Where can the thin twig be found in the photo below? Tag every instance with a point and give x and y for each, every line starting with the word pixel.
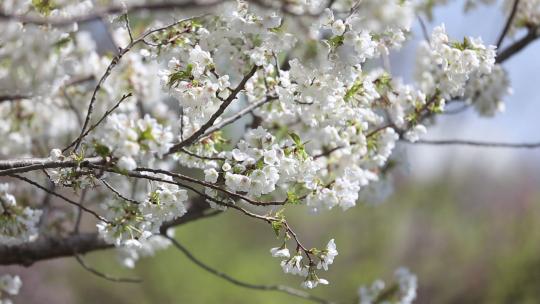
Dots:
pixel 122 197
pixel 202 157
pixel 459 142
pixel 172 182
pixel 104 275
pixel 114 62
pixel 193 137
pixel 210 185
pixel 72 107
pixel 107 113
pixel 79 212
pixel 99 217
pixel 508 23
pixel 228 278
pixel 128 27
pixel 423 27
pixel 240 114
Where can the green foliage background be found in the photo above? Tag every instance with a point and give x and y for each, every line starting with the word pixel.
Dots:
pixel 469 239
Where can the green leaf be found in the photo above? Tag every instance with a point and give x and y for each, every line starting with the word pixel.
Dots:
pixel 336 41
pixel 260 163
pixel 277 226
pixel 102 150
pixel 296 139
pixel 357 87
pixel 146 135
pixel 62 43
pixel 44 7
pixel 176 77
pixel 292 197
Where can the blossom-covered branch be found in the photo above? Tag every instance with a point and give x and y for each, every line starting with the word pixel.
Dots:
pixel 159 133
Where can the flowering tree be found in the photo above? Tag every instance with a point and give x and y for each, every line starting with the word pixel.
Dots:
pixel 133 142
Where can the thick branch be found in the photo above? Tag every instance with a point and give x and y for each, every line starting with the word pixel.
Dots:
pixel 47 248
pixel 51 247
pixel 505 54
pixel 13 166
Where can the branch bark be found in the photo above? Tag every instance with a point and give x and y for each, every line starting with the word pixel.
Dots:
pixel 12 166
pixel 519 45
pixel 50 247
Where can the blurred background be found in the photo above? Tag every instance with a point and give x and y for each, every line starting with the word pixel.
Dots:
pixel 465 220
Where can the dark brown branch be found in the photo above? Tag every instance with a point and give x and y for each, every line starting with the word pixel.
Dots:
pixel 70 201
pixel 107 113
pixel 13 97
pixel 13 166
pixel 117 193
pixel 210 185
pixel 104 275
pixel 51 247
pixel 508 23
pixel 517 46
pixel 47 248
pixel 228 278
pixel 459 142
pixel 191 139
pixel 201 157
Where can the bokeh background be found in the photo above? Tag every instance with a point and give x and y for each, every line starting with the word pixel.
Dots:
pixel 465 220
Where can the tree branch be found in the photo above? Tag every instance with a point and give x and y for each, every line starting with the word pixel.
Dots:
pixel 508 23
pixel 459 142
pixel 72 202
pixel 13 97
pixel 12 166
pixel 228 278
pixel 51 247
pixel 46 248
pixel 114 62
pixel 102 275
pixel 240 114
pixel 517 46
pixel 191 139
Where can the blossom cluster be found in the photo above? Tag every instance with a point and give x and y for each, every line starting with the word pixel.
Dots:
pixel 129 255
pixel 130 140
pixel 18 224
pixel 129 223
pixel 297 265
